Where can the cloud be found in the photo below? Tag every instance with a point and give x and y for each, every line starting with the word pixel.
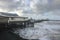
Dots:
pixel 9 5
pixel 36 5
pixel 15 6
pixel 41 6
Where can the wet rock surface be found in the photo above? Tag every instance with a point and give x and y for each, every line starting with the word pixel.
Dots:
pixel 7 35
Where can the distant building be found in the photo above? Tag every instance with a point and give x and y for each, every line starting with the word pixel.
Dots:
pixel 6 17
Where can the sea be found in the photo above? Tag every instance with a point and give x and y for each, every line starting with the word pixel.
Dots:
pixel 46 30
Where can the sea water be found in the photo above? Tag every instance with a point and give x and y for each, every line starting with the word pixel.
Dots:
pixel 47 30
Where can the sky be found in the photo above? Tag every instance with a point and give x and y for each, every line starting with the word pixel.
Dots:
pixel 34 5
pixel 15 6
pixel 12 4
pixel 9 5
pixel 42 6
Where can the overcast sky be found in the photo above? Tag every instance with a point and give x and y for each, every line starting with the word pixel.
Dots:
pixel 12 5
pixel 9 5
pixel 45 5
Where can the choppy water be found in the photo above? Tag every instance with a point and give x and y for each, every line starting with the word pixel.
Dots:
pixel 42 31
